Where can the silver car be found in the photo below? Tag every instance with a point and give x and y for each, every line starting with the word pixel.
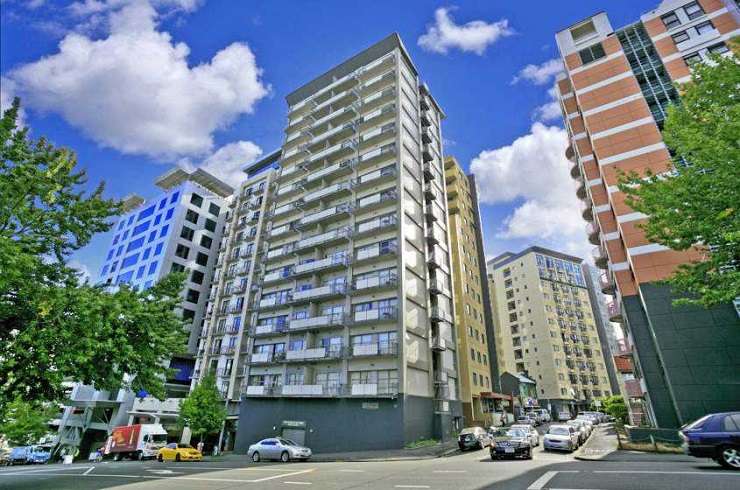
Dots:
pixel 277 448
pixel 534 436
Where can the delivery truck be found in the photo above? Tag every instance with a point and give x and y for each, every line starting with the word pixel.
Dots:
pixel 139 441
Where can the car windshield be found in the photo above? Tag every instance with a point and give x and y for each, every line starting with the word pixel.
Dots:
pixel 185 446
pixel 158 438
pixel 497 432
pixel 469 430
pixel 697 424
pixel 558 431
pixel 516 433
pixel 525 428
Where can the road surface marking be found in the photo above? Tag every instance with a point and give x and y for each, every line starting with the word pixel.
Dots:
pixel 164 472
pixel 285 470
pixel 282 476
pixel 713 473
pixel 411 486
pixel 450 471
pixel 44 471
pixel 298 483
pixel 89 470
pixel 540 482
pixel 352 471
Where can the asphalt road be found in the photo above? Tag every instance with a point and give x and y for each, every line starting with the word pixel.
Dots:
pixel 469 470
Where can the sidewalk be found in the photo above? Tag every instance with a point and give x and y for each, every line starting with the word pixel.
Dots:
pixel 429 452
pixel 603 446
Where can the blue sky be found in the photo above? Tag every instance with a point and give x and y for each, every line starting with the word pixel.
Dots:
pixel 136 86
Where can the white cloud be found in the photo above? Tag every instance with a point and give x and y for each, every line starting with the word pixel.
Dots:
pixel 34 4
pixel 226 163
pixel 7 93
pixel 82 270
pixel 134 90
pixel 540 74
pixel 475 36
pixel 549 111
pixel 533 169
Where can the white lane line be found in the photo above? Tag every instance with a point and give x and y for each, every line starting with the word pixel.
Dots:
pixel 352 471
pixel 540 482
pixel 713 473
pixel 44 471
pixel 283 475
pixel 411 486
pixel 284 470
pixel 450 471
pixel 89 470
pixel 298 483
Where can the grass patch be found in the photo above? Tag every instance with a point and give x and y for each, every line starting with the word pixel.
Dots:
pixel 421 443
pixel 658 447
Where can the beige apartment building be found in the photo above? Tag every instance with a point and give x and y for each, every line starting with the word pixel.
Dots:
pixel 472 305
pixel 545 327
pixel 614 94
pixel 337 266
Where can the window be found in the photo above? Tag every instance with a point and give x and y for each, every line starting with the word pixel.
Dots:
pixel 182 251
pixel 197 277
pixel 718 48
pixel 135 244
pixel 177 267
pixel 157 219
pixel 140 272
pixel 152 268
pixel 472 354
pixel 140 228
pixel 175 197
pixel 119 251
pixel 169 214
pixel 129 261
pixel 210 225
pixel 196 200
pixel 146 213
pixel 591 53
pixel 704 27
pixel 206 241
pixel 680 37
pixel 187 233
pixel 164 230
pixel 582 31
pixel 146 253
pixel 475 379
pixel 693 10
pixel 192 296
pixel 188 315
pixel 670 20
pixel 152 236
pixel 201 259
pixel 214 209
pixel 191 216
pixel 158 248
pixel 692 59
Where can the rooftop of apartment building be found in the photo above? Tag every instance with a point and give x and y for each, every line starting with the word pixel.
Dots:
pixel 508 257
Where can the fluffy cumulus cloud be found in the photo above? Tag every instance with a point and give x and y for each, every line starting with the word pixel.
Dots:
pixel 132 89
pixel 226 163
pixel 550 110
pixel 540 74
pixel 533 172
pixel 7 93
pixel 475 36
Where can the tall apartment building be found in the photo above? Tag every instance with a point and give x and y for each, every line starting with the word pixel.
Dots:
pixel 473 321
pixel 546 327
pixel 614 93
pixel 350 320
pixel 223 348
pixel 179 230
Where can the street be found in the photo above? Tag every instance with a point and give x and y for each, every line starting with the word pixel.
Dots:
pixel 461 471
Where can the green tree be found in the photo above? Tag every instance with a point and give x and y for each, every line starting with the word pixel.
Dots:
pixel 614 405
pixel 24 423
pixel 203 410
pixel 52 328
pixel 697 204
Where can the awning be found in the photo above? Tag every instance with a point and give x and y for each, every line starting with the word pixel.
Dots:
pixel 495 396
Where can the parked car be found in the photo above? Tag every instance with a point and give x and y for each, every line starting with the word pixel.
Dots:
pixel 19 455
pixel 593 415
pixel 534 436
pixel 178 452
pixel 473 438
pixel 4 456
pixel 38 455
pixel 526 420
pixel 591 419
pixel 512 443
pixel 277 448
pixel 581 430
pixel 546 417
pixel 536 416
pixel 561 437
pixel 715 436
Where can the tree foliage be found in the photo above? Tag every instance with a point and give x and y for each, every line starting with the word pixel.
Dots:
pixel 203 410
pixel 614 405
pixel 24 423
pixel 52 328
pixel 697 204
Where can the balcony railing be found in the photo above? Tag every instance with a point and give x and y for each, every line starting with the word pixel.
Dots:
pixel 326 191
pixel 266 357
pixel 374 349
pixel 593 232
pixel 376 252
pixel 317 265
pixel 320 292
pixel 377 389
pixel 317 322
pixel 375 176
pixel 606 281
pixel 331 169
pixel 376 200
pixel 285 209
pixel 323 215
pixel 440 315
pixel 280 251
pixel 274 302
pixel 615 311
pixel 382 388
pixel 375 283
pixel 314 354
pixel 324 238
pixel 377 224
pixel 277 275
pixel 386 313
pixel 273 329
pixel 281 230
pixel 289 189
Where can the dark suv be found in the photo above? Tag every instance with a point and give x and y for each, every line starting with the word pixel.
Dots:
pixel 715 436
pixel 473 438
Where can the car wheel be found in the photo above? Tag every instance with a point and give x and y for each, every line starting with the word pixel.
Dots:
pixel 160 458
pixel 284 457
pixel 730 457
pixel 256 457
pixel 139 455
pixel 177 457
pixel 529 453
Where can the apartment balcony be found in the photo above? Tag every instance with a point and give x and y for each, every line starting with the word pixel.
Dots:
pixel 322 265
pixel 376 253
pixel 379 115
pixel 435 259
pixel 339 99
pixel 377 65
pixel 374 83
pixel 437 314
pixel 285 209
pixel 378 133
pixel 375 201
pixel 437 286
pixel 439 344
pixel 262 358
pixel 269 330
pixel 319 293
pixel 316 354
pixel 328 191
pixel 330 171
pixel 262 390
pixel 324 239
pixel 426 135
pixel 606 281
pixel 315 390
pixel 431 192
pixel 151 404
pixel 575 170
pixel 581 188
pixel 326 215
pixel 280 252
pixel 375 177
pixel 375 349
pixel 424 103
pixel 237 308
pixel 594 233
pixel 385 389
pixel 429 172
pixel 375 225
pixel 615 311
pixel 570 154
pixel 276 276
pixel 340 149
pixel 434 214
pixel 384 314
pixel 318 322
pixel 425 120
pixel 587 210
pixel 290 189
pixel 378 154
pixel 634 388
pixel 288 172
pixel 274 302
pixel 295 154
pixel 282 230
pixel 601 258
pixel 336 118
pixel 435 237
pixel 371 284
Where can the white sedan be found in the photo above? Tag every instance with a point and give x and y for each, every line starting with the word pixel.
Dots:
pixel 277 448
pixel 534 436
pixel 562 437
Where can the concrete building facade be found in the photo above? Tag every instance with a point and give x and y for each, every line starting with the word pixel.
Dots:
pixel 614 94
pixel 350 312
pixel 545 327
pixel 478 371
